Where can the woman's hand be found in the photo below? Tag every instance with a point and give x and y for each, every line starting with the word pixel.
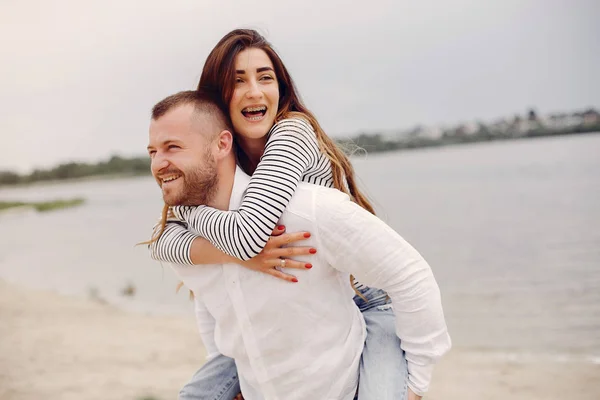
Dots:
pixel 274 256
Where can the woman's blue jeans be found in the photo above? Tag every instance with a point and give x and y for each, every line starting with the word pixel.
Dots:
pixel 383 369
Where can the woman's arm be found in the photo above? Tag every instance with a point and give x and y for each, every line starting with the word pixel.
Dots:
pixel 175 246
pixel 203 252
pixel 291 150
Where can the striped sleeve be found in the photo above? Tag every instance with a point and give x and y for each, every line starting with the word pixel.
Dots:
pixel 291 149
pixel 174 245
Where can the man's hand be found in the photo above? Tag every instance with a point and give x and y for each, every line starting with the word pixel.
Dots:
pixel 413 396
pixel 274 256
pixel 238 397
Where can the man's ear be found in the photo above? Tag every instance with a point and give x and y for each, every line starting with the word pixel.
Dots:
pixel 224 143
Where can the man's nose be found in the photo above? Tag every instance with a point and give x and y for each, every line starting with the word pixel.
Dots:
pixel 158 163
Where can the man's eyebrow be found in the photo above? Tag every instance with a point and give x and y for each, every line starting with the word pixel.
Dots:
pixel 164 143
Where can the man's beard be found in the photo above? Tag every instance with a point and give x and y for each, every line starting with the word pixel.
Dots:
pixel 199 186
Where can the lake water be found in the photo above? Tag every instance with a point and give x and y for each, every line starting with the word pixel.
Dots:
pixel 511 230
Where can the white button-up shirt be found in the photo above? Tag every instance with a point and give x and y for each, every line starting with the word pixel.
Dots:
pixel 304 340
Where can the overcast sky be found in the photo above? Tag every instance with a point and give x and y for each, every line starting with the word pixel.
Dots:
pixel 79 77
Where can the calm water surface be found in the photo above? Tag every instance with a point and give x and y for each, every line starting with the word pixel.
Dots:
pixel 511 230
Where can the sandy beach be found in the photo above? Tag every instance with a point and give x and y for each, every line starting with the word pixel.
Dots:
pixel 57 347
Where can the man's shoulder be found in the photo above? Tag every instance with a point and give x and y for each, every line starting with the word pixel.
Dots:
pixel 311 199
pixel 326 194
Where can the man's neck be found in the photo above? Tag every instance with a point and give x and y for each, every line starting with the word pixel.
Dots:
pixel 222 195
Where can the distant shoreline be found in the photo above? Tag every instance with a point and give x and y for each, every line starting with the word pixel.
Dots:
pixel 41 206
pixel 377 144
pixel 140 166
pixel 89 178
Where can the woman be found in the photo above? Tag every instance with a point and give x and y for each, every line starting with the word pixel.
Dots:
pixel 280 143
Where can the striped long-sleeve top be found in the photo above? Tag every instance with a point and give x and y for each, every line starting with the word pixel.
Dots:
pixel 291 155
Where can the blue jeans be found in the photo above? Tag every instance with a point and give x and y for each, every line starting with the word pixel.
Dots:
pixel 383 370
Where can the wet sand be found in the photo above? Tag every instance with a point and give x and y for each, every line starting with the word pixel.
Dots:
pixel 57 347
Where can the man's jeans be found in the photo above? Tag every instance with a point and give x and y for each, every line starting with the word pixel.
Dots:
pixel 383 370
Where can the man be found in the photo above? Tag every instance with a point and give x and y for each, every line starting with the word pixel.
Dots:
pixel 301 341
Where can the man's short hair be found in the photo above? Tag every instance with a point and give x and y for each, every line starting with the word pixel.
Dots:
pixel 203 103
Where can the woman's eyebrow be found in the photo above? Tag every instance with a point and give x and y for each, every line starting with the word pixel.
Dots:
pixel 261 69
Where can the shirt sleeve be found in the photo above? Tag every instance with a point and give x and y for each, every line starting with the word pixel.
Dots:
pixel 359 243
pixel 174 245
pixel 206 327
pixel 291 149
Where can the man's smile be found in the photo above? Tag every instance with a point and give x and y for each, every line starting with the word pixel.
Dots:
pixel 169 178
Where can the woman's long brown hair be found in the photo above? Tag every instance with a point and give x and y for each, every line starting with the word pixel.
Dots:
pixel 218 78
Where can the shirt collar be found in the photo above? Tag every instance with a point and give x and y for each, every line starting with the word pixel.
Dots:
pixel 240 183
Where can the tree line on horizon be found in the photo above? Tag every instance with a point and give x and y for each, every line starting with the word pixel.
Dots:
pixel 518 127
pixel 528 126
pixel 116 165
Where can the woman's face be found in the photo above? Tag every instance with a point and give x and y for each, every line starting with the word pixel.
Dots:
pixel 255 100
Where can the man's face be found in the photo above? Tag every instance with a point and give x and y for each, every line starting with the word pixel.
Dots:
pixel 181 156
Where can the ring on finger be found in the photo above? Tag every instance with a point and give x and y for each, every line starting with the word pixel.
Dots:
pixel 282 263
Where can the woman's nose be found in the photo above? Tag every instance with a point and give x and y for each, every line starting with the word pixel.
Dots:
pixel 253 91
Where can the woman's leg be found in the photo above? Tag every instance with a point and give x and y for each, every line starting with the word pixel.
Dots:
pixel 216 380
pixel 383 369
